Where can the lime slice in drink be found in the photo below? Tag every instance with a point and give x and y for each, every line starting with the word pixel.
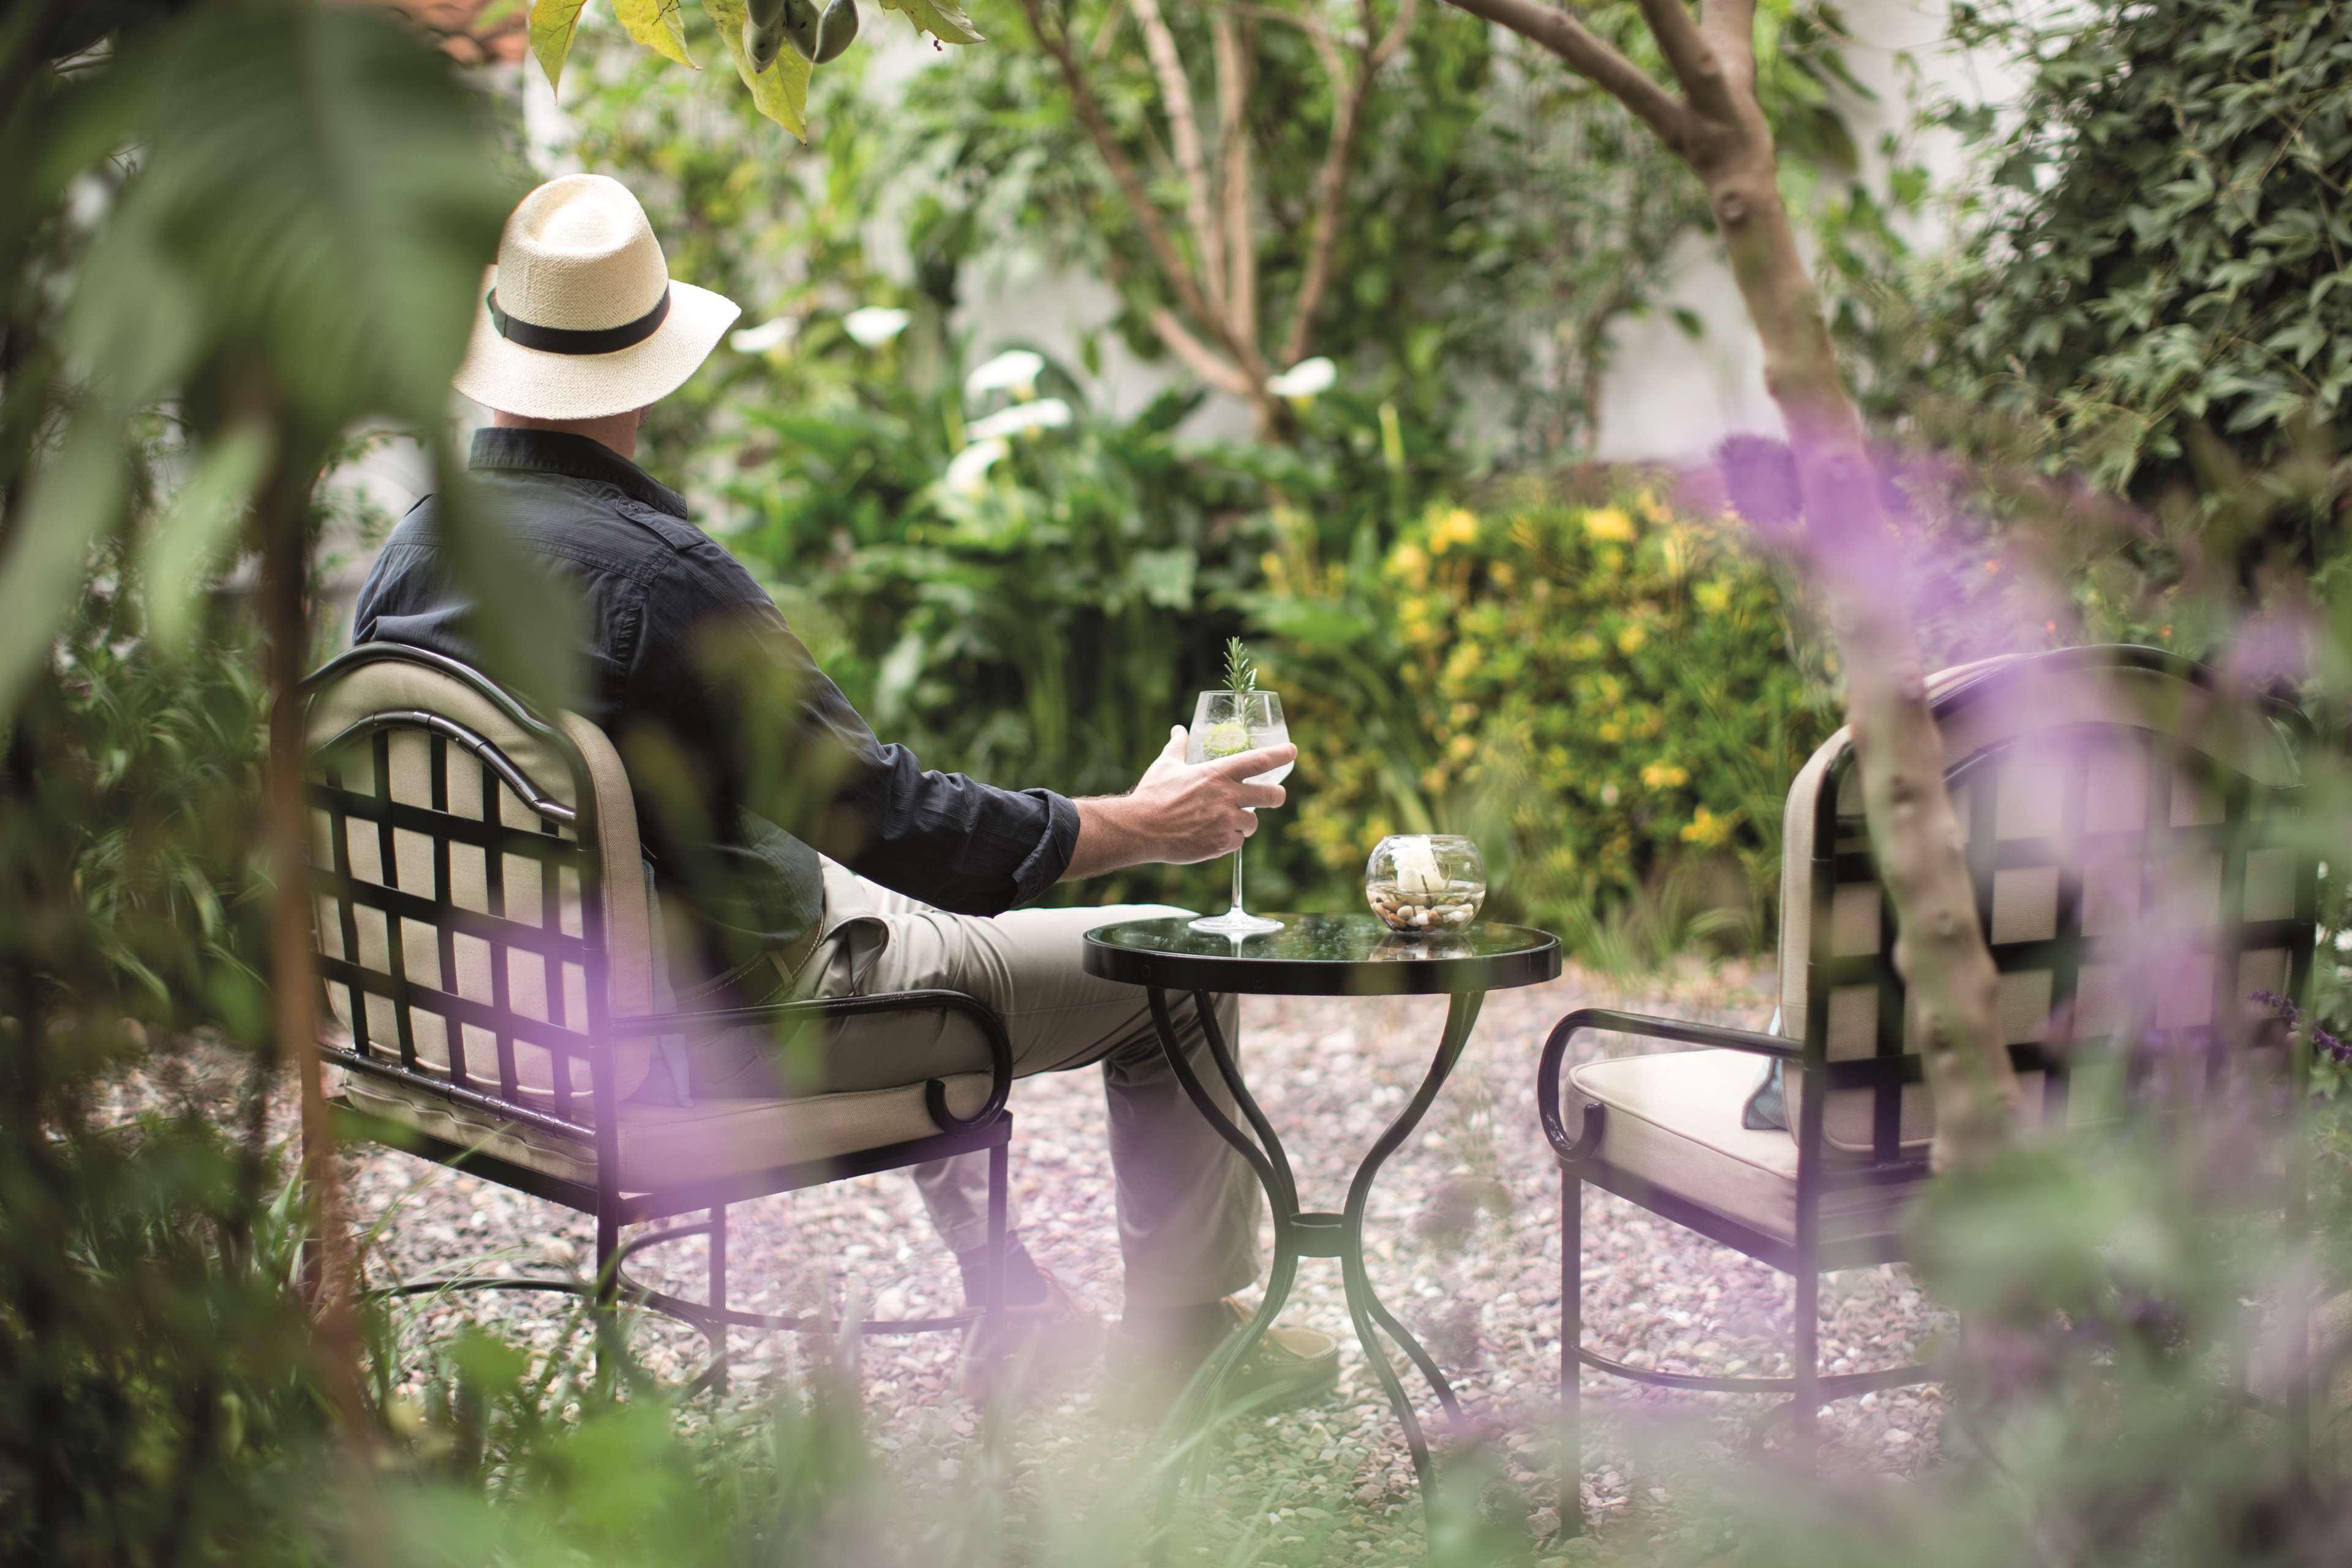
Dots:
pixel 1230 738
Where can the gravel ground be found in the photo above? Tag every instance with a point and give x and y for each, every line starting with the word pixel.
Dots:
pixel 1330 1479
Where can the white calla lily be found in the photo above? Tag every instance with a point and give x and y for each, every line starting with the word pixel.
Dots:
pixel 1307 378
pixel 873 325
pixel 1045 413
pixel 1014 371
pixel 767 335
pixel 968 469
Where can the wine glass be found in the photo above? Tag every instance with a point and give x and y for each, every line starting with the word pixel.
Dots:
pixel 1225 723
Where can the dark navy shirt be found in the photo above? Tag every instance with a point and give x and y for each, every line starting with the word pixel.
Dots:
pixel 744 759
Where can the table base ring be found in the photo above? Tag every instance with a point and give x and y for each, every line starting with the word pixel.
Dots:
pixel 1315 1234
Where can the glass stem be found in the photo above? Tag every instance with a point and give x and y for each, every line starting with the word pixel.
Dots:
pixel 1237 876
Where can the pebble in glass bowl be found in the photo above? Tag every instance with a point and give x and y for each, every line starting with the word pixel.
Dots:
pixel 1421 883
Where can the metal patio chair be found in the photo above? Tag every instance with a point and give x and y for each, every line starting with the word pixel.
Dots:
pixel 525 1000
pixel 2115 806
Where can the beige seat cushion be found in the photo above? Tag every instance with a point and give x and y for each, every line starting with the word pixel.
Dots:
pixel 666 1146
pixel 1673 1122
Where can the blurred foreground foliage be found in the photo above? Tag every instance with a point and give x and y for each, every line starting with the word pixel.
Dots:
pixel 228 236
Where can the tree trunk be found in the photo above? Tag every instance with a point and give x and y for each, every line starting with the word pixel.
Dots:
pixel 1719 129
pixel 330 1275
pixel 1953 988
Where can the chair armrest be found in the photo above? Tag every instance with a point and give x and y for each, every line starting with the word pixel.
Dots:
pixel 1574 1150
pixel 935 1093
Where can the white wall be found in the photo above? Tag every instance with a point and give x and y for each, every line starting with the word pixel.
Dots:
pixel 1670 397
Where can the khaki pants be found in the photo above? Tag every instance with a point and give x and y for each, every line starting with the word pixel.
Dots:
pixel 1187 1206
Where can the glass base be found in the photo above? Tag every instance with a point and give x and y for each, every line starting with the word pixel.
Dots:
pixel 1238 922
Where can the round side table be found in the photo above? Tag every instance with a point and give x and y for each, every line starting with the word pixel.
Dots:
pixel 1321 956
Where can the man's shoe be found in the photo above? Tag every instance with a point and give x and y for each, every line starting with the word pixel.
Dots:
pixel 1288 1366
pixel 1025 1346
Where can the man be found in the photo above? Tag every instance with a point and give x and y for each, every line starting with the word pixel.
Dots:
pixel 806 858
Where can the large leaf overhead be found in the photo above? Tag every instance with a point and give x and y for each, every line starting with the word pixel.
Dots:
pixel 779 92
pixel 943 19
pixel 657 24
pixel 319 183
pixel 552 23
pixel 306 232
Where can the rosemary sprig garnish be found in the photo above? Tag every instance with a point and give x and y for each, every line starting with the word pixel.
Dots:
pixel 1241 671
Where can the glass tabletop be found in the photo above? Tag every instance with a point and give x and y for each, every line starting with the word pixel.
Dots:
pixel 1321 956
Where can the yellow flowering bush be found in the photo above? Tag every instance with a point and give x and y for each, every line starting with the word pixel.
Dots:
pixel 1598 692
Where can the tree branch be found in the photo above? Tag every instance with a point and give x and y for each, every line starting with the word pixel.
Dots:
pixel 1235 76
pixel 1163 246
pixel 1729 28
pixel 1593 58
pixel 1394 38
pixel 1695 63
pixel 1108 33
pixel 1308 22
pixel 1185 138
pixel 1349 96
pixel 1203 359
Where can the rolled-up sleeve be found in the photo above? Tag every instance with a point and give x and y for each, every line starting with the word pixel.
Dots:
pixel 773 735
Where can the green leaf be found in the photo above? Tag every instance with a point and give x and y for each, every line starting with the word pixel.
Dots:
pixel 658 25
pixel 943 19
pixel 75 499
pixel 307 226
pixel 1165 576
pixel 317 200
pixel 779 92
pixel 552 22
pixel 181 548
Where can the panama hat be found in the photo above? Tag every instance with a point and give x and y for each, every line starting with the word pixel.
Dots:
pixel 580 318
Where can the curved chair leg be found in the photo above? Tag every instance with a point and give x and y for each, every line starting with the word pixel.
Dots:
pixel 599 1293
pixel 999 1181
pixel 1571 1345
pixel 717 1296
pixel 1806 1405
pixel 1807 1387
pixel 611 1285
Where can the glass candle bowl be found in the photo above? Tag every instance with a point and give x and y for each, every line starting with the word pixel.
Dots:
pixel 1422 884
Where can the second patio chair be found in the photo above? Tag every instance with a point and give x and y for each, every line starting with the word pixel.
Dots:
pixel 2116 808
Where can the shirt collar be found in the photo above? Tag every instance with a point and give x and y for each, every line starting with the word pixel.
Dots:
pixel 522 450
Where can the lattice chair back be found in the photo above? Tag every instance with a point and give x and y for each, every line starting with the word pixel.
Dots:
pixel 2122 821
pixel 482 903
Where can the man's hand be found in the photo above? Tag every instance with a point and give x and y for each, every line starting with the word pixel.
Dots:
pixel 1178 813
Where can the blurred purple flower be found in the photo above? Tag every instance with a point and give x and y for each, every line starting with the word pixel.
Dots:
pixel 2272 651
pixel 2321 1039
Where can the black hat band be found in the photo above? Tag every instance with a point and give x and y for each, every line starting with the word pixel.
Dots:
pixel 574 339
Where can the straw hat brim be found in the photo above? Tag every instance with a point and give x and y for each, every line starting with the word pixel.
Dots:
pixel 538 384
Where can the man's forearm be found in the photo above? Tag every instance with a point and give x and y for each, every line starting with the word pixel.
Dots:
pixel 1177 813
pixel 1111 837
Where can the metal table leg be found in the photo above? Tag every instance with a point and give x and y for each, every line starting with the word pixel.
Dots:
pixel 1310 1234
pixel 1364 1304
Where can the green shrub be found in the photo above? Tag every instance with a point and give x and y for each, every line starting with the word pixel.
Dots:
pixel 2151 271
pixel 1602 693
